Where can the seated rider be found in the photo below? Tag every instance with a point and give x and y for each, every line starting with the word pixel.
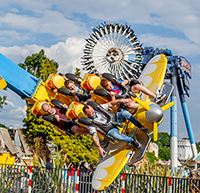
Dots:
pixel 78 97
pixel 114 132
pixel 136 87
pixel 62 121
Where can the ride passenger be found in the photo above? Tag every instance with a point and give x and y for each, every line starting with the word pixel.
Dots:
pixel 136 87
pixel 62 121
pixel 78 97
pixel 114 132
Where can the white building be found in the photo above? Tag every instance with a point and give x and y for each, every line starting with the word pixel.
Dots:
pixel 184 149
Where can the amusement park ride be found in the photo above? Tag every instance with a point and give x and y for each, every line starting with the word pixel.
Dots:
pixel 113 52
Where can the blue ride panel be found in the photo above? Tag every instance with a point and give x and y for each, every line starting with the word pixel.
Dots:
pixel 18 80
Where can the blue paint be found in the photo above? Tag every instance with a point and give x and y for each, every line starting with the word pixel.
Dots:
pixel 185 112
pixel 18 80
pixel 188 123
pixel 173 115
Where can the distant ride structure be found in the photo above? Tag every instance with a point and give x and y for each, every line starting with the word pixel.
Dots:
pixel 113 48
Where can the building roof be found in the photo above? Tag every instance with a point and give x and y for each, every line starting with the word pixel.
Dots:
pixel 7 144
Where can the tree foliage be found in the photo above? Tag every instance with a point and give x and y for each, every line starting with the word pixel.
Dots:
pixel 163 143
pixel 2 125
pixel 2 102
pixel 198 146
pixel 34 64
pixel 48 67
pixel 151 157
pixel 77 149
pixel 78 73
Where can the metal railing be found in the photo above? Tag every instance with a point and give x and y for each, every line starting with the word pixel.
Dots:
pixel 22 179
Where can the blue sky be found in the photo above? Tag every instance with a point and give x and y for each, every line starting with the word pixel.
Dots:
pixel 60 27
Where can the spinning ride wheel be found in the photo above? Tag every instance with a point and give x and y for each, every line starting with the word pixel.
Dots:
pixel 113 48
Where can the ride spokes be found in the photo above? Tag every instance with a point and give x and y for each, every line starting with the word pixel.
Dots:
pixel 113 48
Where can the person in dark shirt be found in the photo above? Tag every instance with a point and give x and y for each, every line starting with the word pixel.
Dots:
pixel 49 164
pixel 62 121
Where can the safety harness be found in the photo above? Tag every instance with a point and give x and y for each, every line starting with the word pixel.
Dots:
pixel 105 127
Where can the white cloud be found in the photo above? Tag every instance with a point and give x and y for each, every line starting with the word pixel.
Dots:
pixel 68 54
pixel 178 46
pixel 57 18
pixel 12 9
pixel 15 110
pixel 36 6
pixel 51 22
pixel 18 54
pixel 9 36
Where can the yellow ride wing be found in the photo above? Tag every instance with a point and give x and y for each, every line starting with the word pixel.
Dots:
pixel 153 74
pixel 109 168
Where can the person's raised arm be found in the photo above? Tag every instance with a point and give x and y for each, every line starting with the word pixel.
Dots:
pixel 75 96
pixel 65 106
pixel 96 141
pixel 115 102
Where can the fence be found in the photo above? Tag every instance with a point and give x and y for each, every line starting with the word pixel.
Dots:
pixel 22 179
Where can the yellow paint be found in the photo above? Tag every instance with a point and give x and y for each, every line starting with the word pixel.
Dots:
pixel 55 81
pixel 158 74
pixel 167 106
pixel 141 116
pixel 7 158
pixel 153 78
pixel 155 131
pixel 143 104
pixel 75 110
pixel 114 170
pixel 43 92
pixel 3 83
pixel 91 82
pixel 37 108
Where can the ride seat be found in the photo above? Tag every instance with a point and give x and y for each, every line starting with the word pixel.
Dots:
pixel 75 110
pixel 55 81
pixel 91 82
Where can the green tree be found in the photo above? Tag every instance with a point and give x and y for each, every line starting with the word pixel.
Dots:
pixel 78 73
pixel 2 125
pixel 163 143
pixel 198 146
pixel 151 157
pixel 77 149
pixel 34 63
pixel 48 67
pixel 164 153
pixel 2 102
